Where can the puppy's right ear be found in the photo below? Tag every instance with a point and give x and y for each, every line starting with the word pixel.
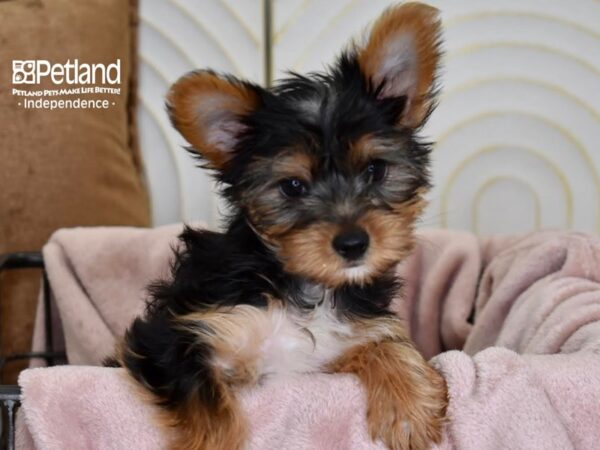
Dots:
pixel 209 110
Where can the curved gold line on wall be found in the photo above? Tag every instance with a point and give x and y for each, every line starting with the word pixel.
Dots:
pixel 163 76
pixel 461 20
pixel 317 38
pixel 291 19
pixel 504 112
pixel 185 12
pixel 168 39
pixel 173 157
pixel 494 180
pixel 163 132
pixel 233 13
pixel 551 87
pixel 445 190
pixel 463 87
pixel 516 44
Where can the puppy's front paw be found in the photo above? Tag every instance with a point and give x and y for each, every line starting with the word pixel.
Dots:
pixel 408 415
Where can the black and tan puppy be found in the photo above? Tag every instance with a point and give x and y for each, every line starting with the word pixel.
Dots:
pixel 325 175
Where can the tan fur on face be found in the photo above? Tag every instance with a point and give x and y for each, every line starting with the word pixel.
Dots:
pixel 291 163
pixel 420 25
pixel 364 150
pixel 309 251
pixel 391 234
pixel 406 398
pixel 195 100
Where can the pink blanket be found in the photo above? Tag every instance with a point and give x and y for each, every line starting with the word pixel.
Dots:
pixel 528 375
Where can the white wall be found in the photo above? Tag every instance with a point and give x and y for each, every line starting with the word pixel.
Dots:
pixel 177 36
pixel 517 129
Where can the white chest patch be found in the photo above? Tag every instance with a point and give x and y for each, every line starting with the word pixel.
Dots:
pixel 283 341
pixel 300 342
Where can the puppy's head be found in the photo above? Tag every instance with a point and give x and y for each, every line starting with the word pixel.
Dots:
pixel 326 168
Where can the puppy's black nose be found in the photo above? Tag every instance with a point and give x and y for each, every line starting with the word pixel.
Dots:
pixel 351 244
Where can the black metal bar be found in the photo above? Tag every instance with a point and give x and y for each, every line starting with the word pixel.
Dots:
pixel 34 260
pixel 10 410
pixel 47 318
pixel 10 392
pixel 11 397
pixel 33 355
pixel 22 260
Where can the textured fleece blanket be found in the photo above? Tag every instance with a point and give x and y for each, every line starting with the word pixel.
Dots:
pixel 513 324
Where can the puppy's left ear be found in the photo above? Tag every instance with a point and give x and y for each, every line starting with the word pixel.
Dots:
pixel 401 58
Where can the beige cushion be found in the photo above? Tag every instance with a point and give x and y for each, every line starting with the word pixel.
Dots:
pixel 66 167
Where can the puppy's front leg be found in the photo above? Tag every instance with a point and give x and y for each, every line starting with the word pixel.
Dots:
pixel 406 398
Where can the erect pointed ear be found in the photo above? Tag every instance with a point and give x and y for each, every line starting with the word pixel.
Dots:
pixel 209 110
pixel 401 57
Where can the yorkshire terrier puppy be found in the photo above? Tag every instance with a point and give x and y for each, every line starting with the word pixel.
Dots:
pixel 325 177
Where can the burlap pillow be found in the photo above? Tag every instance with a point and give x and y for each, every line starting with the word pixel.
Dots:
pixel 62 167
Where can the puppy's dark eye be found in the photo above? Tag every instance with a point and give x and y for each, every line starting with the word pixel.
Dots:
pixel 376 170
pixel 293 187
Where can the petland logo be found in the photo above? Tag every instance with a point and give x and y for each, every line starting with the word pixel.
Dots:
pixel 39 84
pixel 34 71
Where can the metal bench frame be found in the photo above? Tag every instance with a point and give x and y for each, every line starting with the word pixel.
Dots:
pixel 10 395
